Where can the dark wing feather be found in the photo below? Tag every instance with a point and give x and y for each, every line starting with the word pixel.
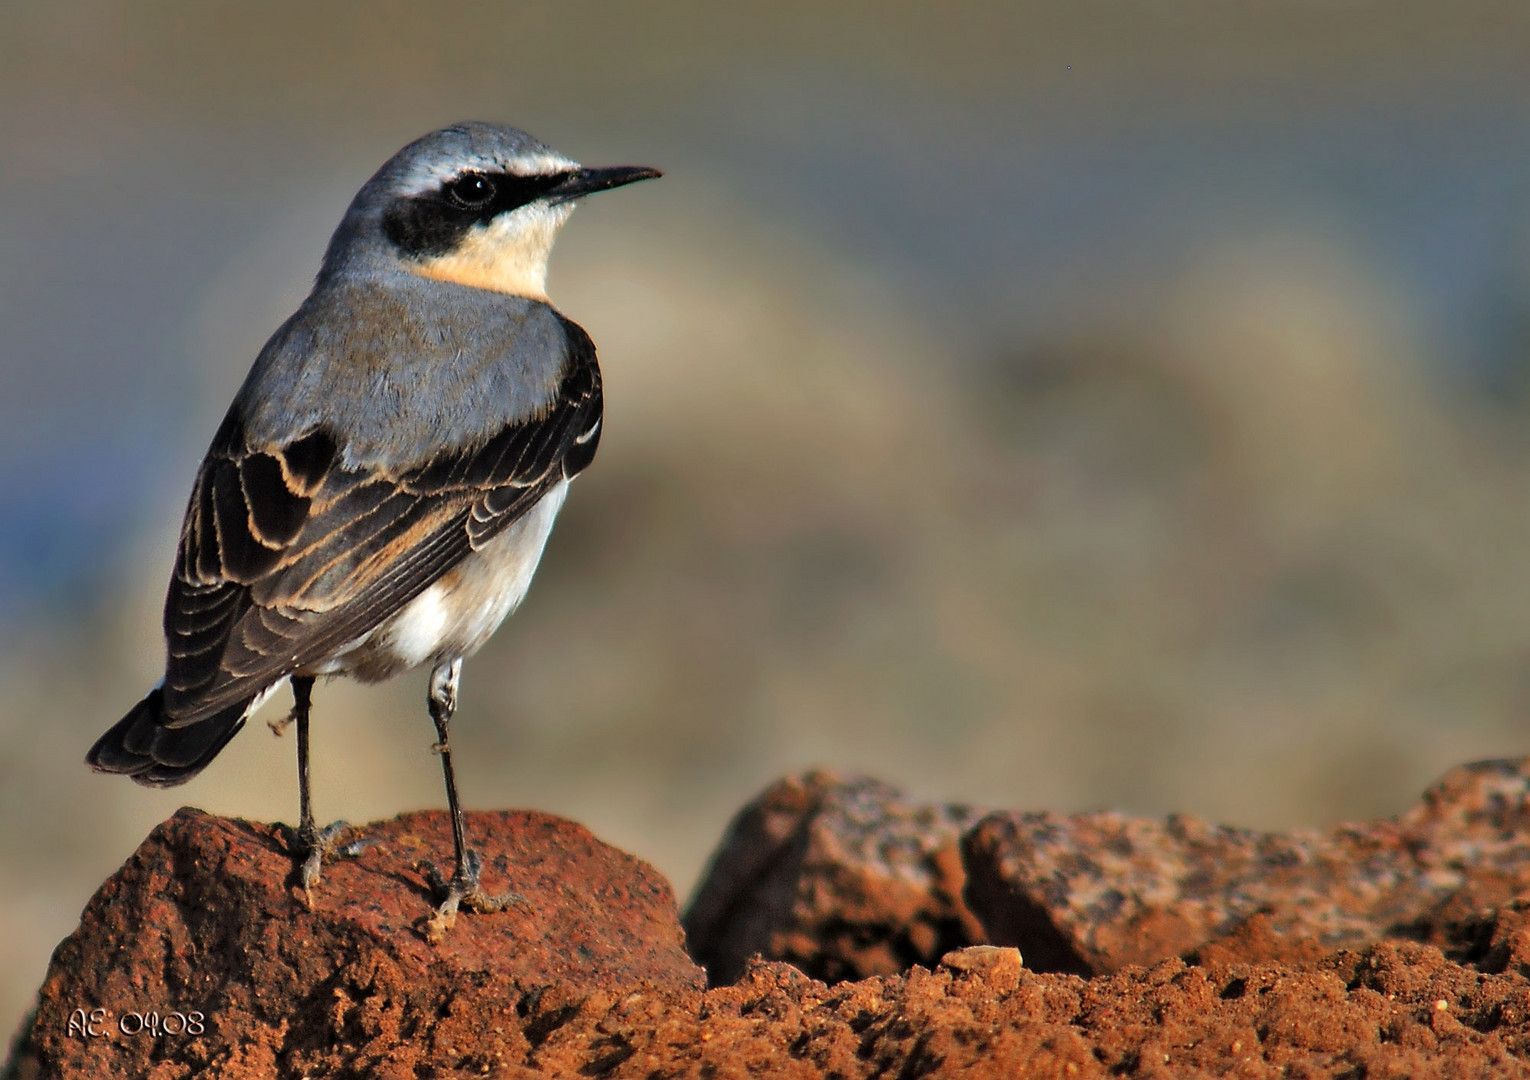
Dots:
pixel 286 555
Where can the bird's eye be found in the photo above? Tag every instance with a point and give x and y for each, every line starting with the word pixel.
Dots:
pixel 473 191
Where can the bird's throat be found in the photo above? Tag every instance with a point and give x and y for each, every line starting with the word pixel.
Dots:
pixel 500 258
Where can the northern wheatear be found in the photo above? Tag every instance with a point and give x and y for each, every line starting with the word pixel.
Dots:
pixel 380 491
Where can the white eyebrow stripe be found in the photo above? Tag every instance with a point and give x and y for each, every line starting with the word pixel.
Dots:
pixel 430 175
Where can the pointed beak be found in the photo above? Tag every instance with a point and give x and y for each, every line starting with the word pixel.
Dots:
pixel 588 181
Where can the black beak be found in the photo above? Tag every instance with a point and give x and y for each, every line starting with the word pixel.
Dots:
pixel 583 182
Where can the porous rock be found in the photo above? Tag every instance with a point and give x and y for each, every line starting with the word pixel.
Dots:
pixel 1391 1010
pixel 588 976
pixel 204 929
pixel 1092 893
pixel 841 877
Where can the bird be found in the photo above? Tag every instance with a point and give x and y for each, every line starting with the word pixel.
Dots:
pixel 380 491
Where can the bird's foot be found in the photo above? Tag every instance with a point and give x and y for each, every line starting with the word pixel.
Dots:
pixel 280 725
pixel 314 845
pixel 461 890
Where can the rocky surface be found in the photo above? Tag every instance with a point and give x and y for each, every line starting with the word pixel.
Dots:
pixel 204 927
pixel 844 878
pixel 1401 948
pixel 1093 893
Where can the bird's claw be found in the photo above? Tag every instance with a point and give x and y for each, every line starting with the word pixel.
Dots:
pixel 461 890
pixel 314 845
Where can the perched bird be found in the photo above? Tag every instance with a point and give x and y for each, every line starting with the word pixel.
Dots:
pixel 380 492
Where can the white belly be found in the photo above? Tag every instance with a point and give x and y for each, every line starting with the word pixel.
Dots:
pixel 455 615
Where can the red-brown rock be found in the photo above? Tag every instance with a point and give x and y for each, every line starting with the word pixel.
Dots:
pixel 1092 893
pixel 843 878
pixel 589 978
pixel 1386 1011
pixel 203 927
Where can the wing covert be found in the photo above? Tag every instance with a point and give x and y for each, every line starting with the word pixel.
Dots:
pixel 286 554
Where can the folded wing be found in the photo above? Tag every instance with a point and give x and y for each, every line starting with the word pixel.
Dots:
pixel 286 554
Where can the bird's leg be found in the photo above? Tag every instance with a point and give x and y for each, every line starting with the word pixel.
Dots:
pixel 462 889
pixel 308 840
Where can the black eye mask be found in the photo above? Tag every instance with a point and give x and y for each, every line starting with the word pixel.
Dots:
pixel 435 223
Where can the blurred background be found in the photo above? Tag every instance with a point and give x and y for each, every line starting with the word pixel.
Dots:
pixel 1064 405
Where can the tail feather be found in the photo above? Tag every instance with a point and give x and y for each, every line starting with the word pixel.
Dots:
pixel 142 746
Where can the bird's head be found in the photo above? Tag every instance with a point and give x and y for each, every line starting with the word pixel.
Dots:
pixel 474 204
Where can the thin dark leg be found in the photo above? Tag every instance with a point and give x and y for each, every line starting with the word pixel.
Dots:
pixel 443 704
pixel 463 888
pixel 302 702
pixel 309 841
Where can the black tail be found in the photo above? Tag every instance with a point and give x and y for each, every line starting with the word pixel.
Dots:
pixel 140 745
